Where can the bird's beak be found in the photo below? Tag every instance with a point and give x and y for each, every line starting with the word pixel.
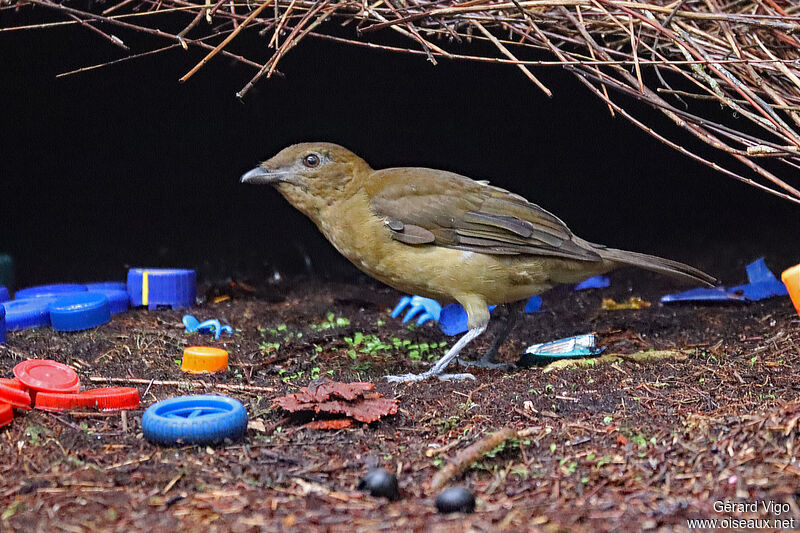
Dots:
pixel 262 176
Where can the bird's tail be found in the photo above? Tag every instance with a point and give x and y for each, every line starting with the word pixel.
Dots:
pixel 657 264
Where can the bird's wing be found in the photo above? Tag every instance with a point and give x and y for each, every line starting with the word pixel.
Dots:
pixel 423 206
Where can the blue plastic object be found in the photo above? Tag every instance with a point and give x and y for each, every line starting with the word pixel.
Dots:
pixel 118 300
pixel 23 314
pixel 211 326
pixel 49 291
pixel 162 287
pixel 107 285
pixel 4 296
pixel 595 282
pixel 453 318
pixel 2 325
pixel 79 311
pixel 194 420
pixel 762 284
pixel 534 305
pixel 418 304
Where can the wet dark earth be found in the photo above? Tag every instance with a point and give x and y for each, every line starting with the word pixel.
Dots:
pixel 630 445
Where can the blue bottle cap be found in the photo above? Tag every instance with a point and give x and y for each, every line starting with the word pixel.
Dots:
pixel 118 300
pixel 2 325
pixel 106 285
pixel 4 296
pixel 23 314
pixel 162 287
pixel 49 291
pixel 79 311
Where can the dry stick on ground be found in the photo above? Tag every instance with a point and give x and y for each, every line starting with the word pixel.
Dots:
pixel 178 383
pixel 469 455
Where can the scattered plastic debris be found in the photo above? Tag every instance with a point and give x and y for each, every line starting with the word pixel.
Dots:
pixel 162 287
pixel 791 278
pixel 634 302
pixel 380 484
pixel 455 500
pixel 212 326
pixel 355 400
pixel 578 346
pixel 49 291
pixel 200 359
pixel 44 375
pixel 417 304
pixel 762 284
pixel 595 282
pixel 105 399
pixel 453 318
pixel 200 419
pixel 79 311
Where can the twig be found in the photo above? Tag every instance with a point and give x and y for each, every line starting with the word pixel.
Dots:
pixel 469 455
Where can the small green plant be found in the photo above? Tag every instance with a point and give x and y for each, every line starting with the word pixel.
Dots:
pixel 331 321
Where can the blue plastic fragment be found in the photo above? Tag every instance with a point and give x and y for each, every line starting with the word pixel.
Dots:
pixel 578 346
pixel 194 420
pixel 452 318
pixel 211 326
pixel 4 296
pixel 534 305
pixel 23 314
pixel 49 291
pixel 2 325
pixel 595 282
pixel 762 284
pixel 427 308
pixel 716 294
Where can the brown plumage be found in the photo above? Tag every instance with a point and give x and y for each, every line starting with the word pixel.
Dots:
pixel 441 235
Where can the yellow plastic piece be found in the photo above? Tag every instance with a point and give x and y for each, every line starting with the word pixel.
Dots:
pixel 634 302
pixel 791 278
pixel 199 359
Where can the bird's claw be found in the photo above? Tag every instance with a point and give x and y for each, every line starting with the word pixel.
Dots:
pixel 425 375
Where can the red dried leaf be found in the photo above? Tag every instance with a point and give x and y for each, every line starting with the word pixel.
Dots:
pixel 351 399
pixel 338 423
pixel 323 389
pixel 362 410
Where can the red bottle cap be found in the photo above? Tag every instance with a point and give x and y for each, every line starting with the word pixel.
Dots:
pixel 14 383
pixel 47 376
pixel 15 397
pixel 108 399
pixel 6 414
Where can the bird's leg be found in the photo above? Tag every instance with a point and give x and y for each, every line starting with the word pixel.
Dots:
pixel 441 364
pixel 513 311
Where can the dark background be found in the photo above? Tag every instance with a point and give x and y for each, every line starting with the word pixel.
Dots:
pixel 124 166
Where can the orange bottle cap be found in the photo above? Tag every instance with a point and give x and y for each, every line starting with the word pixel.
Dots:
pixel 199 359
pixel 791 278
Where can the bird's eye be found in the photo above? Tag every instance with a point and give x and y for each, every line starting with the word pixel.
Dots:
pixel 311 160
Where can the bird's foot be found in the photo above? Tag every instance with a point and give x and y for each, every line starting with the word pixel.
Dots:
pixel 425 375
pixel 483 363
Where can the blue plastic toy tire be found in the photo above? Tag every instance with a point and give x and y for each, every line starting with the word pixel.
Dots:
pixel 200 419
pixel 49 291
pixel 162 287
